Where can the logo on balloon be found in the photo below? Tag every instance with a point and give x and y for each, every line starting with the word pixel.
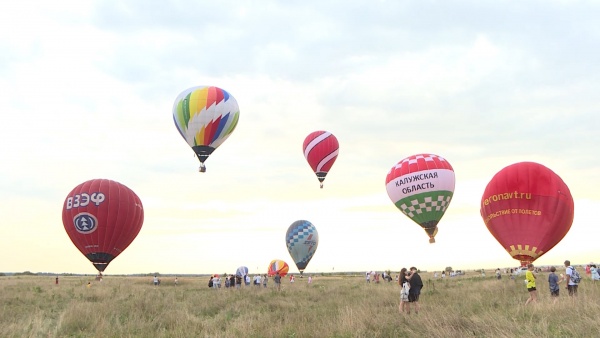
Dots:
pixel 85 223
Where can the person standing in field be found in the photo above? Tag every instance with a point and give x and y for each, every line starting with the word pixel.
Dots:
pixel 155 281
pixel 277 280
pixel 530 278
pixel 595 273
pixel 571 284
pixel 553 283
pixel 309 280
pixel 416 284
pixel 264 280
pixel 404 290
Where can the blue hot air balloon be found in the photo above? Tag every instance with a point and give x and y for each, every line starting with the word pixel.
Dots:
pixel 302 240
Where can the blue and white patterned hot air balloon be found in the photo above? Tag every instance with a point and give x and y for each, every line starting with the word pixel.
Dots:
pixel 302 240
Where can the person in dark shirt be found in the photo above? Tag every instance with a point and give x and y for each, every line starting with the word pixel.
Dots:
pixel 277 280
pixel 416 284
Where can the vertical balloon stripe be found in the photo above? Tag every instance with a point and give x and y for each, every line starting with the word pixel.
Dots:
pixel 233 123
pixel 226 95
pixel 208 132
pixel 212 97
pixel 219 128
pixel 180 118
pixel 198 102
pixel 185 110
pixel 218 95
pixel 199 138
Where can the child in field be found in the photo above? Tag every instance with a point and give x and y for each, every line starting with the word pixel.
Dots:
pixel 530 278
pixel 553 282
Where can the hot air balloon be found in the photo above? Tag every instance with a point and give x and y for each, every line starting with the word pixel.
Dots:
pixel 422 186
pixel 205 117
pixel 241 271
pixel 102 217
pixel 528 209
pixel 321 150
pixel 277 266
pixel 302 240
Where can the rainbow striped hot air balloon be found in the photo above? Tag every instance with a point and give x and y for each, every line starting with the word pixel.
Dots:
pixel 205 117
pixel 321 149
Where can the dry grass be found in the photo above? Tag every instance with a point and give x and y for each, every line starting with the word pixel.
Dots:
pixel 330 307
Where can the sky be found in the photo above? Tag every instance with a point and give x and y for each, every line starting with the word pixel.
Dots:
pixel 87 89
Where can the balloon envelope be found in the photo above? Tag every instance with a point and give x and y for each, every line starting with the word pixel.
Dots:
pixel 422 186
pixel 321 149
pixel 302 240
pixel 205 117
pixel 241 271
pixel 528 209
pixel 279 267
pixel 102 217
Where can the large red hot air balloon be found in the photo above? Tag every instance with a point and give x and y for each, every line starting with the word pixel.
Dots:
pixel 321 149
pixel 528 209
pixel 102 217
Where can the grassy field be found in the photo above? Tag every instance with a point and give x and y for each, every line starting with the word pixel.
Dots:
pixel 333 306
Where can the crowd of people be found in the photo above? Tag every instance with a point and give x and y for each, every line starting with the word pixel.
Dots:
pixel 411 284
pixel 236 281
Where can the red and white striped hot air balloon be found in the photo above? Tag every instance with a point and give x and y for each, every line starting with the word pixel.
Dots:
pixel 321 150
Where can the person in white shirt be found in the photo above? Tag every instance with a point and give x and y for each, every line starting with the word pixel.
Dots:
pixel 571 285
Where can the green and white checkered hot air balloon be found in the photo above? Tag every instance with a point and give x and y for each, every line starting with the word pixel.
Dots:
pixel 421 186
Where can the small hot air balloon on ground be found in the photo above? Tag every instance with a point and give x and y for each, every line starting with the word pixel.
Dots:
pixel 278 267
pixel 302 240
pixel 321 149
pixel 422 186
pixel 205 117
pixel 241 271
pixel 528 209
pixel 102 217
